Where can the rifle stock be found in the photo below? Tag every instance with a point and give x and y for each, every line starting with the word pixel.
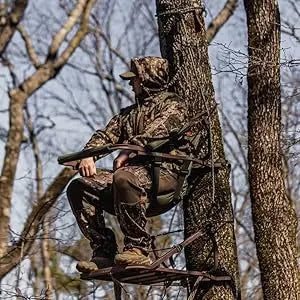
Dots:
pixel 72 158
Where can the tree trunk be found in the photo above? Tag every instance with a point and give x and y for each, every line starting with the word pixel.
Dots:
pixel 12 150
pixel 46 261
pixel 34 270
pixel 273 215
pixel 208 207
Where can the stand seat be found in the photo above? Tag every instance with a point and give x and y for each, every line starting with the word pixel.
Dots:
pixel 145 275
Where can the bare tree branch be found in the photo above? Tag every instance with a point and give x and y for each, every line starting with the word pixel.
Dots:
pixel 29 47
pixel 63 32
pixel 99 33
pixel 290 30
pixel 74 43
pixel 75 250
pixel 216 24
pixel 11 22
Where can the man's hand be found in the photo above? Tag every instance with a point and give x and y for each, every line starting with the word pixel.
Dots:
pixel 121 160
pixel 87 167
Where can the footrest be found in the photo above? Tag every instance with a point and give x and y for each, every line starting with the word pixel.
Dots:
pixel 144 275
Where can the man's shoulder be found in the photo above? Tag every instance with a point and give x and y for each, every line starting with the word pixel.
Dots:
pixel 127 109
pixel 172 98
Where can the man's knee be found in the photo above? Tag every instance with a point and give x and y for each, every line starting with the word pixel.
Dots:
pixel 127 186
pixel 124 179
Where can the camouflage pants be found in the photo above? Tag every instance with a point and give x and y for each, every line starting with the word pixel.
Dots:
pixel 124 193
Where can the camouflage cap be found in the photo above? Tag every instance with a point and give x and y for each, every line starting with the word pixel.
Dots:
pixel 153 71
pixel 127 75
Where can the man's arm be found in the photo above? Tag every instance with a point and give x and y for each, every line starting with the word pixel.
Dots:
pixel 110 135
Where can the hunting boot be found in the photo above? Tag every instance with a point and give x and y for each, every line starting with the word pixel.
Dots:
pixel 132 256
pixel 104 251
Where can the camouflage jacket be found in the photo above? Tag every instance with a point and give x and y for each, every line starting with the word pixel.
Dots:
pixel 148 120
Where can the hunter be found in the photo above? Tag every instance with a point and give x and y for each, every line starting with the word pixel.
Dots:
pixel 126 190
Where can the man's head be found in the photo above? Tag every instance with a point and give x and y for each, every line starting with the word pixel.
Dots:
pixel 136 84
pixel 151 73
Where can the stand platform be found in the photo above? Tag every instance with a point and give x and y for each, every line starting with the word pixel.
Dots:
pixel 145 275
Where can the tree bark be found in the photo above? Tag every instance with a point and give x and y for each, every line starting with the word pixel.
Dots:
pixel 273 214
pixel 183 41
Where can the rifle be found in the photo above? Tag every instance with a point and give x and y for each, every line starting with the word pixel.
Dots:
pixel 72 159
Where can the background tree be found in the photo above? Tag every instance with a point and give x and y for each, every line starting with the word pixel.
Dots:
pixel 274 217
